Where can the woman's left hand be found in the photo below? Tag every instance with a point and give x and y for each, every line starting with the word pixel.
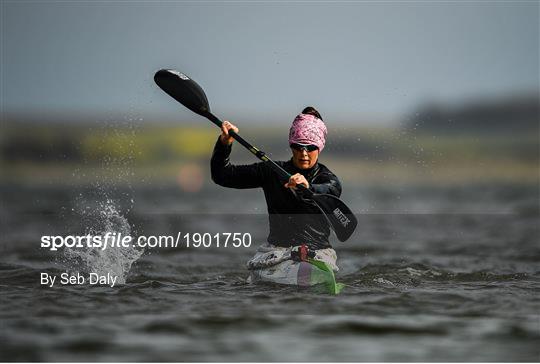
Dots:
pixel 297 179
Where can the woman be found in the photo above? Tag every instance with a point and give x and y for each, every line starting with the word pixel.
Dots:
pixel 297 228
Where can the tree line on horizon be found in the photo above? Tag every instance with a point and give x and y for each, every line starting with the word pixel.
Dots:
pixel 510 115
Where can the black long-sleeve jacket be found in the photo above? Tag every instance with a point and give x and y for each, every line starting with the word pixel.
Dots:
pixel 292 221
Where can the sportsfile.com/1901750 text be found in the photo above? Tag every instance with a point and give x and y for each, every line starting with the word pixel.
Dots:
pixel 119 240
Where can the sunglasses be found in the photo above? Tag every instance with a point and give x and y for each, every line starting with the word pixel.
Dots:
pixel 307 148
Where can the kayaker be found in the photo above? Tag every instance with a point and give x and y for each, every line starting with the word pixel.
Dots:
pixel 294 222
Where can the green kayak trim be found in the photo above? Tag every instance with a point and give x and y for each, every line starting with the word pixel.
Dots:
pixel 325 274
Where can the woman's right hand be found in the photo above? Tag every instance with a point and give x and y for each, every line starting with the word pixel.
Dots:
pixel 225 137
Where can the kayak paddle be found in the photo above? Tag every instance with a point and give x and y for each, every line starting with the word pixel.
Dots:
pixel 187 92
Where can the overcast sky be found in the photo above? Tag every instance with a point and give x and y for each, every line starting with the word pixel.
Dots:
pixel 265 60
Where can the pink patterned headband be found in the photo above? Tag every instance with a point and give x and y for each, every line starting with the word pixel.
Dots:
pixel 308 129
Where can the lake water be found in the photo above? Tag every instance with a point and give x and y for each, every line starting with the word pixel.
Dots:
pixel 433 273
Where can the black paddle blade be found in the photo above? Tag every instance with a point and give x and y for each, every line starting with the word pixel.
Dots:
pixel 184 90
pixel 341 218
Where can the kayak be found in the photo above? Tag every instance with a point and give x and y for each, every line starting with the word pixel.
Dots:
pixel 301 274
pixel 275 265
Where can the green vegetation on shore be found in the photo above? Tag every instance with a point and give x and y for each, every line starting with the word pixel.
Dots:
pixel 33 153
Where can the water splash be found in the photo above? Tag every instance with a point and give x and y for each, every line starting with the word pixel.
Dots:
pixel 100 214
pixel 100 219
